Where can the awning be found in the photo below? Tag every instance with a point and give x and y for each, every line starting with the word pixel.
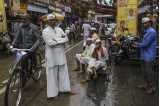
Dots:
pixel 58 10
pixel 35 8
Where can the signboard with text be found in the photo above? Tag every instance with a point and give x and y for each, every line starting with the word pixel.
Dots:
pixel 127 17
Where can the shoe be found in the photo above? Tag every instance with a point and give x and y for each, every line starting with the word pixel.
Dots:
pixel 77 69
pixel 81 72
pixel 85 81
pixel 143 86
pixel 51 98
pixel 70 93
pixel 151 90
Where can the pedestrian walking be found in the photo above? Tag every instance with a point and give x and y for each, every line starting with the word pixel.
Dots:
pixel 72 32
pixel 86 27
pixel 148 55
pixel 56 63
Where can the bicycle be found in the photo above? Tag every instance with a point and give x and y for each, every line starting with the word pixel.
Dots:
pixel 23 70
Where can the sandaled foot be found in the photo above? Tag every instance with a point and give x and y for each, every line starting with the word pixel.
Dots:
pixel 51 98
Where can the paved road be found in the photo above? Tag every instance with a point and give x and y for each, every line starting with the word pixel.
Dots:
pixel 121 91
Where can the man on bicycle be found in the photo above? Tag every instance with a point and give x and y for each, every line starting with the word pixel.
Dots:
pixel 27 37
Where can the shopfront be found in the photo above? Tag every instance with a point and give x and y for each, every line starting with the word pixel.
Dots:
pixel 36 12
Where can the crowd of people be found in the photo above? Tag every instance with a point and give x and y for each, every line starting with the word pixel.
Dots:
pixel 94 55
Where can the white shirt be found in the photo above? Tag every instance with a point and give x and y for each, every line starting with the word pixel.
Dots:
pixel 73 27
pixel 55 46
pixel 89 50
pixel 86 29
pixel 54 36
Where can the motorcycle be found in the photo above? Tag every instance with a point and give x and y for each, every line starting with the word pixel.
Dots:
pixel 125 50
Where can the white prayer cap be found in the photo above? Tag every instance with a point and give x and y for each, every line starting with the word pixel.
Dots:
pixel 89 39
pixel 93 29
pixel 98 41
pixel 51 17
pixel 145 19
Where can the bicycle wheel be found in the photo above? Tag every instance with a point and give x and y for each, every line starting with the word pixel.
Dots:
pixel 37 70
pixel 13 93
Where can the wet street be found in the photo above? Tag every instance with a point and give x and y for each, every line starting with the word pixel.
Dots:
pixel 120 91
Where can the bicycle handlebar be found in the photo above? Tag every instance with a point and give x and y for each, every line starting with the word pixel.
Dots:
pixel 16 49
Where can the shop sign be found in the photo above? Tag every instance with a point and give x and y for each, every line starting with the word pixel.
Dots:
pixel 127 17
pixel 35 8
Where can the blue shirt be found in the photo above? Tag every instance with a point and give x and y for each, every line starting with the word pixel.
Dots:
pixel 148 45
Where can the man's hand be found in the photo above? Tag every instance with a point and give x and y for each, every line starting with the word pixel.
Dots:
pixel 135 45
pixel 11 48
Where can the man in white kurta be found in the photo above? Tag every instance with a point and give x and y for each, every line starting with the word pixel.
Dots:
pixel 83 58
pixel 86 27
pixel 56 63
pixel 99 58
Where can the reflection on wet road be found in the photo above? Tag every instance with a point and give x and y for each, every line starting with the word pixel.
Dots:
pixel 120 91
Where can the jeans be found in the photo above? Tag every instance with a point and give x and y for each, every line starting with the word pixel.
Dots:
pixel 147 71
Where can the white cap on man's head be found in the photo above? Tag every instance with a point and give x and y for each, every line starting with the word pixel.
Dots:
pixel 89 39
pixel 51 17
pixel 145 19
pixel 93 29
pixel 98 41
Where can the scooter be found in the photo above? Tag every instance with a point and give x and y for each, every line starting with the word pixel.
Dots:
pixel 126 51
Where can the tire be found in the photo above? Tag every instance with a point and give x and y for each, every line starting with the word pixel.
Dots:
pixel 37 70
pixel 13 93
